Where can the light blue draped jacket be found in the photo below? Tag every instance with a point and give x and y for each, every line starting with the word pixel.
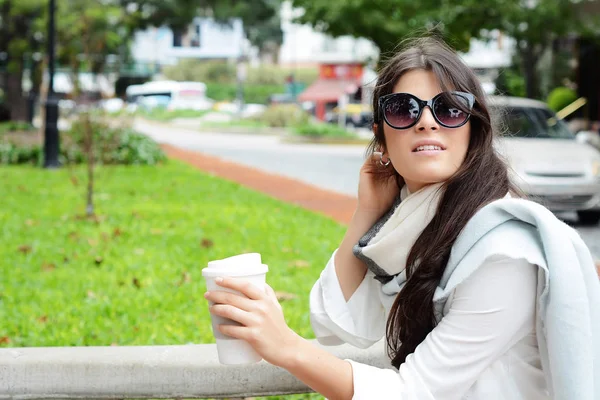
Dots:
pixel 568 297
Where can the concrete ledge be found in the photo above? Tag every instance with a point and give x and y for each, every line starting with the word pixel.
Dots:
pixel 187 371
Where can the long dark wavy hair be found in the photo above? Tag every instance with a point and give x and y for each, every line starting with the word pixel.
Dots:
pixel 482 178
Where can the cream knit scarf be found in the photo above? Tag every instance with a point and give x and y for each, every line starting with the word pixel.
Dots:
pixel 385 247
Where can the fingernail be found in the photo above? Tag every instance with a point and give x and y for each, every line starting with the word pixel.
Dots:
pixel 218 280
pixel 206 294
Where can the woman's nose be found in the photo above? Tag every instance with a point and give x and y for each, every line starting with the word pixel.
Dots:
pixel 427 122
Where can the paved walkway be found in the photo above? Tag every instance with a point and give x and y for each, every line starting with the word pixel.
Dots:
pixel 330 167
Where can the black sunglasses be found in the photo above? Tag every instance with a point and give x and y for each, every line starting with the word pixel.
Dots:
pixel 449 109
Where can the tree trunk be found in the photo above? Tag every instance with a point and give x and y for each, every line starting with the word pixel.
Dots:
pixel 89 149
pixel 15 100
pixel 89 134
pixel 4 37
pixel 18 27
pixel 529 60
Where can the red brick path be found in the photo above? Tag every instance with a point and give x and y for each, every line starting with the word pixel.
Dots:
pixel 337 206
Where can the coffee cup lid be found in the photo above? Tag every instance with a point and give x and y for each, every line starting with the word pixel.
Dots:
pixel 239 265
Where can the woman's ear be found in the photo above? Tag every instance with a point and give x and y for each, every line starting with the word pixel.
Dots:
pixel 380 144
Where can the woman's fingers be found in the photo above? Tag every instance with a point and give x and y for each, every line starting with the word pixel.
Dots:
pixel 234 331
pixel 241 285
pixel 233 313
pixel 221 297
pixel 271 293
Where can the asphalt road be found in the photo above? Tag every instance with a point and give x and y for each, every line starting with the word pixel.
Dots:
pixel 334 167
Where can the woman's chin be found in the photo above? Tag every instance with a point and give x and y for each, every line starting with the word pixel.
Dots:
pixel 430 178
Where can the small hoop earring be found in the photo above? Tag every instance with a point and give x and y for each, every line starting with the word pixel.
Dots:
pixel 384 164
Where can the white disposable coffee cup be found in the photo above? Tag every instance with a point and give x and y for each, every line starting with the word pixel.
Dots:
pixel 246 266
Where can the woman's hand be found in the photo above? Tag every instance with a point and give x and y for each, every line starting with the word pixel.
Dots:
pixel 377 186
pixel 264 327
pixel 261 316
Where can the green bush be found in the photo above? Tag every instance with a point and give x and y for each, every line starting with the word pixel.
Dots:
pixel 221 91
pixel 322 130
pixel 13 126
pixel 162 114
pixel 283 115
pixel 224 72
pixel 511 83
pixel 252 93
pixel 111 146
pixel 249 123
pixel 201 71
pixel 276 75
pixel 561 97
pixel 11 153
pixel 221 79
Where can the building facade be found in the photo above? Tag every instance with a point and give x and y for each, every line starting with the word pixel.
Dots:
pixel 304 46
pixel 203 39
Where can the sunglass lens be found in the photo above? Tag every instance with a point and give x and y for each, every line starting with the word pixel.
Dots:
pixel 451 109
pixel 401 111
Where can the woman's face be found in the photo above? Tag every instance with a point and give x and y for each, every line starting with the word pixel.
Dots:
pixel 422 168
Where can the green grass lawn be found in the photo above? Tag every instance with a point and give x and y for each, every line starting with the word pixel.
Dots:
pixel 133 275
pixel 161 114
pixel 236 123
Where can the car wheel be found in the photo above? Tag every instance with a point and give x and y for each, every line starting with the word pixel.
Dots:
pixel 589 217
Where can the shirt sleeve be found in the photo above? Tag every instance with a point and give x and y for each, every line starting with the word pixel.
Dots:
pixel 489 312
pixel 360 321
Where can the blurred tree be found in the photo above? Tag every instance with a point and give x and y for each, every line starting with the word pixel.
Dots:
pixel 260 17
pixel 533 23
pixel 106 25
pixel 21 34
pixel 88 32
pixel 386 22
pixel 262 23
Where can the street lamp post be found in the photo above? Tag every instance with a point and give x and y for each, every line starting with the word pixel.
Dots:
pixel 51 139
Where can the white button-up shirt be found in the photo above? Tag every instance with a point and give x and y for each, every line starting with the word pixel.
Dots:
pixel 484 348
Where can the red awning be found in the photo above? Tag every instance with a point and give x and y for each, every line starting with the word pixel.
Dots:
pixel 328 90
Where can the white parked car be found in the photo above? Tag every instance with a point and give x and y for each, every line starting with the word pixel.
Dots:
pixel 196 104
pixel 547 161
pixel 170 94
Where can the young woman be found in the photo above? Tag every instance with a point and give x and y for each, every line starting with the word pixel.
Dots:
pixel 466 283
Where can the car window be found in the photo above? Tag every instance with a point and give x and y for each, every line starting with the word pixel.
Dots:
pixel 532 122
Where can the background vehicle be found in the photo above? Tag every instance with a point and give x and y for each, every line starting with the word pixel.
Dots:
pixel 357 115
pixel 181 95
pixel 547 161
pixel 148 103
